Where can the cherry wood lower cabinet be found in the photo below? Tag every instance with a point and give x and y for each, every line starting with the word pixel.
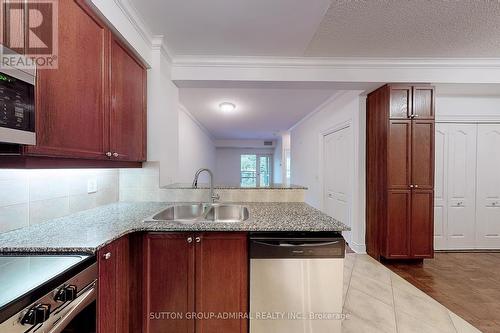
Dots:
pixel 199 273
pixel 113 298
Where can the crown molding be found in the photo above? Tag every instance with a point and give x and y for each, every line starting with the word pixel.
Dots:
pixel 135 19
pixel 335 62
pixel 157 42
pixel 197 122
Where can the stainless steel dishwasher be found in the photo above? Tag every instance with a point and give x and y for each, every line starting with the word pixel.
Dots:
pixel 296 282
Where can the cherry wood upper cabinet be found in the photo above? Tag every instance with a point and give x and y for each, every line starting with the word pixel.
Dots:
pixel 128 105
pixel 91 109
pixel 423 102
pixel 71 100
pixel 113 298
pixel 168 281
pixel 186 273
pixel 13 28
pixel 400 101
pixel 221 280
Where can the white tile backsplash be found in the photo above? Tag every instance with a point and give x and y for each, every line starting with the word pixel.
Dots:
pixel 35 196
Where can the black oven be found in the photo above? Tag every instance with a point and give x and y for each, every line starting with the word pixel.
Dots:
pixel 17 110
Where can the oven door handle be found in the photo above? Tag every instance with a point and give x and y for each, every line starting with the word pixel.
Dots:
pixel 78 304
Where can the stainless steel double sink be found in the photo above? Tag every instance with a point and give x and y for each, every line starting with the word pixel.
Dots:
pixel 197 213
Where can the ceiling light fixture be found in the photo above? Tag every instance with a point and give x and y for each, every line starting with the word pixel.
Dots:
pixel 227 107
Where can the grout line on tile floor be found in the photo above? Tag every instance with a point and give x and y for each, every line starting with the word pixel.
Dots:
pixel 394 304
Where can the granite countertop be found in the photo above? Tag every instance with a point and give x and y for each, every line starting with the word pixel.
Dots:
pixel 88 231
pixel 185 186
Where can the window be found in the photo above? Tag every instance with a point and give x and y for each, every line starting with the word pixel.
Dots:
pixel 255 170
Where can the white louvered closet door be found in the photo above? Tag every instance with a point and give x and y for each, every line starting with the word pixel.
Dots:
pixel 488 187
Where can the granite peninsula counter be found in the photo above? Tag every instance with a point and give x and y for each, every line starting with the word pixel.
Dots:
pixel 88 231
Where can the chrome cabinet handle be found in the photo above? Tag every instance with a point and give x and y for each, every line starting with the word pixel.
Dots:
pixel 416 186
pixel 107 256
pixel 412 186
pixel 190 239
pixel 109 154
pixel 116 154
pixel 198 239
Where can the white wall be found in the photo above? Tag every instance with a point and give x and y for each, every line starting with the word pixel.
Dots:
pixel 344 107
pixel 463 108
pixel 196 149
pixel 227 169
pixel 278 163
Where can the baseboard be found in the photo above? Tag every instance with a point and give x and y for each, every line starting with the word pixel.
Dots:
pixel 358 248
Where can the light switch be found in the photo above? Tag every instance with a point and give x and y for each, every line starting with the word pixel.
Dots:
pixel 92 185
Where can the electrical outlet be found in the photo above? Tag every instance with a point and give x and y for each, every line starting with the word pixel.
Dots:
pixel 92 185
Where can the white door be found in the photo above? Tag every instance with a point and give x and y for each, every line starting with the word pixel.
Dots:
pixel 337 176
pixel 440 211
pixel 455 185
pixel 488 187
pixel 461 186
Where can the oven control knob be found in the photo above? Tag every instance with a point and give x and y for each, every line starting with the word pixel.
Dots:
pixel 66 293
pixel 36 315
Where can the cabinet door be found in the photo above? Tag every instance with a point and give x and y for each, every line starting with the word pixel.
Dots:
pixel 398 224
pixel 168 282
pixel 399 155
pixel 221 280
pixel 488 187
pixel 113 291
pixel 422 223
pixel 70 100
pixel 400 102
pixel 128 106
pixel 423 102
pixel 13 29
pixel 422 156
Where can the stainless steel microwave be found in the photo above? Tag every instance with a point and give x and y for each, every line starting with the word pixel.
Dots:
pixel 17 105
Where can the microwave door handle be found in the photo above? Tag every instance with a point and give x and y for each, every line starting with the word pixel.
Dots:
pixel 284 244
pixel 81 302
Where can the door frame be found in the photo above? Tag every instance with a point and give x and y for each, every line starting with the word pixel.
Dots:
pixel 321 170
pixel 257 172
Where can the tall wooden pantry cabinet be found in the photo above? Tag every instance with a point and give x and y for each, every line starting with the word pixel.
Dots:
pixel 400 172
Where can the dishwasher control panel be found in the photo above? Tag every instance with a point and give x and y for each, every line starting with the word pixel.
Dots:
pixel 302 245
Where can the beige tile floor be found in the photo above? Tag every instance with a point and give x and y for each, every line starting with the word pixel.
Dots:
pixel 378 300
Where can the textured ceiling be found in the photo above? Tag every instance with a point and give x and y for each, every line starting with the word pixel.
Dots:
pixel 337 28
pixel 409 28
